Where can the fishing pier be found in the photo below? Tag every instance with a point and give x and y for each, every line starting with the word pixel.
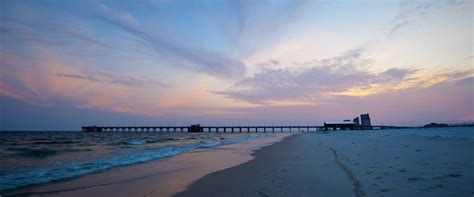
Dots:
pixel 200 129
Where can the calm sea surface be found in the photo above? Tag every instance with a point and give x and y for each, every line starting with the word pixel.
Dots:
pixel 28 158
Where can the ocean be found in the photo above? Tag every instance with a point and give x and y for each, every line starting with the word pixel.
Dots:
pixel 28 158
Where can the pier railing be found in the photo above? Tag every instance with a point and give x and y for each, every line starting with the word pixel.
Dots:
pixel 207 129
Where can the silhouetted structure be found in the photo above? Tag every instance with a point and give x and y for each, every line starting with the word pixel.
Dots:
pixel 195 128
pixel 344 125
pixel 92 129
pixel 434 125
pixel 199 128
pixel 365 122
pixel 356 121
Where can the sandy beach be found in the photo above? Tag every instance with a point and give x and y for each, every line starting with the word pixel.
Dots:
pixel 227 98
pixel 417 162
pixel 295 167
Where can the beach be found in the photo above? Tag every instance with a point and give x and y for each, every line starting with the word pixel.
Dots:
pixel 294 167
pixel 227 98
pixel 411 162
pixel 405 162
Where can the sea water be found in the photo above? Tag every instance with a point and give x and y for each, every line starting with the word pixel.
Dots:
pixel 28 158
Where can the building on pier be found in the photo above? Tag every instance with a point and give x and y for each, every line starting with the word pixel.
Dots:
pixel 92 129
pixel 362 123
pixel 339 125
pixel 195 128
pixel 365 122
pixel 356 121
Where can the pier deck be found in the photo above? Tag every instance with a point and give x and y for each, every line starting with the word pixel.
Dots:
pixel 208 129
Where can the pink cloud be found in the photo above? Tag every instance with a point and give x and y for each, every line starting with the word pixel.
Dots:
pixel 8 92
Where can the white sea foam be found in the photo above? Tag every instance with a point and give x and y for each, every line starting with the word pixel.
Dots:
pixel 47 174
pixel 135 142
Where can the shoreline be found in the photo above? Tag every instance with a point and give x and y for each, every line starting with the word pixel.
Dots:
pixel 434 162
pixel 293 167
pixel 162 177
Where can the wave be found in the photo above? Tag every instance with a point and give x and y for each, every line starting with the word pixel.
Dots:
pixel 34 153
pixel 55 142
pixel 42 153
pixel 209 144
pixel 16 180
pixel 135 142
pixel 12 181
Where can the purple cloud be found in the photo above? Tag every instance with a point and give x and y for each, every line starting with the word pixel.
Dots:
pixel 410 11
pixel 200 60
pixel 312 80
pixel 101 77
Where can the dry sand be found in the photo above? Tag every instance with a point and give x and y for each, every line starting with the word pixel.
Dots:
pixel 409 162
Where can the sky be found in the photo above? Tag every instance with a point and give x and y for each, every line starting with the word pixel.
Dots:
pixel 65 64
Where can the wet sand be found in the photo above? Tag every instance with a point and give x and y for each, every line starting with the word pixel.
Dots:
pixel 295 167
pixel 156 178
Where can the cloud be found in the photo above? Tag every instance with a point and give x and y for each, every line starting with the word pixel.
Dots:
pixel 260 23
pixel 8 92
pixel 212 63
pixel 76 29
pixel 395 74
pixel 41 27
pixel 47 79
pixel 410 11
pixel 447 101
pixel 313 80
pixel 102 77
